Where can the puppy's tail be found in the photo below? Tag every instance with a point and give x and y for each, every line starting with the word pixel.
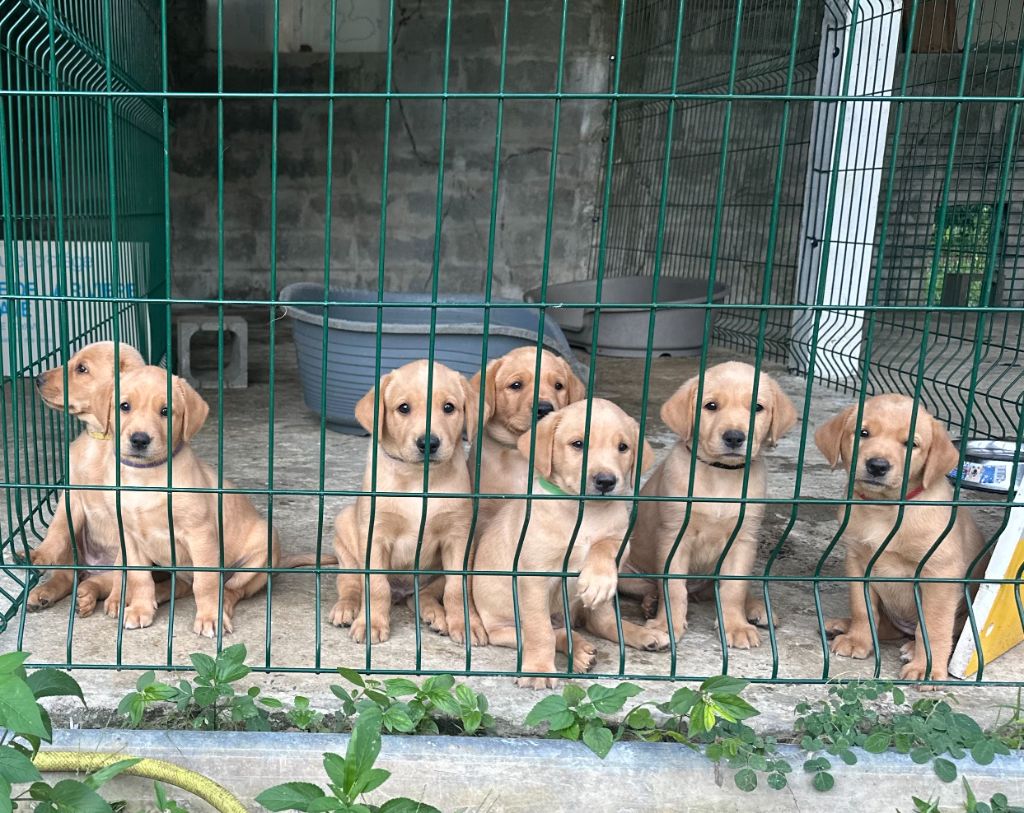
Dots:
pixel 307 560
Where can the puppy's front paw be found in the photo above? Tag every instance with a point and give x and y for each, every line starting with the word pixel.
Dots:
pixel 678 627
pixel 435 618
pixel 917 670
pixel 649 604
pixel 85 602
pixel 41 597
pixel 457 629
pixel 597 583
pixel 206 624
pixel 836 626
pixel 757 614
pixel 851 646
pixel 584 654
pixel 651 639
pixel 112 605
pixel 742 636
pixel 137 616
pixel 380 630
pixel 537 682
pixel 40 558
pixel 344 612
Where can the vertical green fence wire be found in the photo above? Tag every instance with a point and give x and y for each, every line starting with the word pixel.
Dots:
pixel 708 116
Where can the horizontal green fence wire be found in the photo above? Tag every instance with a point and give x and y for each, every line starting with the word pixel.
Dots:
pixel 831 191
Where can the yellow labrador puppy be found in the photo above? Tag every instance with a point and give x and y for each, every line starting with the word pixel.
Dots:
pixel 147 443
pixel 721 451
pixel 611 458
pixel 402 447
pixel 878 475
pixel 508 388
pixel 90 378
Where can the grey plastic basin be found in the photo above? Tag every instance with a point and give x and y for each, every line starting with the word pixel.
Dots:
pixel 624 332
pixel 405 336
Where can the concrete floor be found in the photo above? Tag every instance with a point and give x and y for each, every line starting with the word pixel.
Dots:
pixel 297 635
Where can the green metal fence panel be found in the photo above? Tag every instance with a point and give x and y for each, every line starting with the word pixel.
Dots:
pixel 851 171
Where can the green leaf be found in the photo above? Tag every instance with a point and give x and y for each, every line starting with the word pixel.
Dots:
pixel 777 781
pixel 608 700
pixel 438 683
pixel 290 796
pixel 640 718
pixel 823 781
pixel 76 797
pixel 598 739
pixel 552 710
pixel 944 769
pixel 6 803
pixel 920 755
pixel 98 778
pixel 733 709
pixel 466 696
pixel 11 662
pixel 682 701
pixel 723 684
pixel 573 694
pixel 877 742
pixel 397 718
pixel 898 697
pixel 16 767
pixel 19 711
pixel 400 687
pixel 746 779
pixel 402 805
pixel 352 676
pixel 983 752
pixel 444 702
pixel 363 748
pixel 205 666
pixel 53 683
pixel 375 777
pixel 471 721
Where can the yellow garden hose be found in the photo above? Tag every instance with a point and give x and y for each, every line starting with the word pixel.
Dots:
pixel 89 761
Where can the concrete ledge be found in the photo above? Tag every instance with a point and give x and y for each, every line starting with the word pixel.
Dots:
pixel 496 774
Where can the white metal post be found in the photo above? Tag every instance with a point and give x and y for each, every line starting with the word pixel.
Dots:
pixel 859 42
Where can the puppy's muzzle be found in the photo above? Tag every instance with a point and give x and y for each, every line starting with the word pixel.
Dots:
pixel 733 439
pixel 877 466
pixel 139 441
pixel 604 482
pixel 434 444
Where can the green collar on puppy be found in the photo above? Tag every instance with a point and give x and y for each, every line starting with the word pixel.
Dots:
pixel 549 487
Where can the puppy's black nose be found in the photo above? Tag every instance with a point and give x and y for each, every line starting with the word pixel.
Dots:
pixel 877 466
pixel 435 443
pixel 604 482
pixel 734 438
pixel 140 440
pixel 40 380
pixel 544 408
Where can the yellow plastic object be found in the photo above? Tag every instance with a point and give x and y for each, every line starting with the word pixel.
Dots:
pixel 1000 626
pixel 195 783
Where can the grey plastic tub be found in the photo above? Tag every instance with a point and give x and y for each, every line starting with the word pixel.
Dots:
pixel 352 339
pixel 623 332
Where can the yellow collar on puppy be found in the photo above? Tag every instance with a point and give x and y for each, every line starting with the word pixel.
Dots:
pixel 98 435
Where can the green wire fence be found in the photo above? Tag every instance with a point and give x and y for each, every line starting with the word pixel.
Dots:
pixel 851 172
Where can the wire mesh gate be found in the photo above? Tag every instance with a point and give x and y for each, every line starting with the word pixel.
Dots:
pixel 734 131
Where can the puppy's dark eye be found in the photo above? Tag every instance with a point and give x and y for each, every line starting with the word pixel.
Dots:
pixel 912 443
pixel 711 406
pixel 759 408
pixel 448 408
pixel 516 385
pixel 577 444
pixel 126 407
pixel 864 433
pixel 559 386
pixel 623 447
pixel 405 409
pixel 163 412
pixel 81 368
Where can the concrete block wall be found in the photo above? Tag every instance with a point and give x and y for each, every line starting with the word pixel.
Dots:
pixel 414 144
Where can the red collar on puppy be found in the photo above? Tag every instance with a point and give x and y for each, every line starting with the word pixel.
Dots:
pixel 910 494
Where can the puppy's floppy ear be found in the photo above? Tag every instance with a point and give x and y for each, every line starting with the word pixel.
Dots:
pixel 783 411
pixel 364 409
pixel 128 358
pixel 470 405
pixel 487 393
pixel 942 455
pixel 544 449
pixel 678 411
pixel 829 436
pixel 99 413
pixel 195 410
pixel 648 456
pixel 577 389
